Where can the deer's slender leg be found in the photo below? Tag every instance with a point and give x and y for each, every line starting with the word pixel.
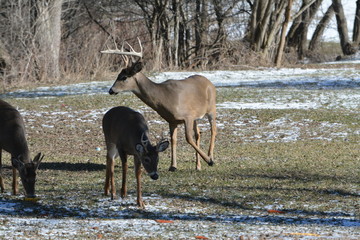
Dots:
pixel 189 138
pixel 197 139
pixel 173 136
pixel 1 178
pixel 111 162
pixel 124 164
pixel 107 176
pixel 139 200
pixel 111 155
pixel 212 120
pixel 14 182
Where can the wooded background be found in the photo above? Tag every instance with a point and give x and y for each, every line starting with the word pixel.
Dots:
pixel 50 40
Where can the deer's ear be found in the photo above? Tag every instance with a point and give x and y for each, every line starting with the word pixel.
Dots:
pixel 137 67
pixel 140 148
pixel 16 163
pixel 37 159
pixel 162 146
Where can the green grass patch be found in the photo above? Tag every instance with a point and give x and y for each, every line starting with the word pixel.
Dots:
pixel 308 174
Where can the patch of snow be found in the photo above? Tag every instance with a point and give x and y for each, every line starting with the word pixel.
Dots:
pixel 270 77
pixel 122 219
pixel 262 105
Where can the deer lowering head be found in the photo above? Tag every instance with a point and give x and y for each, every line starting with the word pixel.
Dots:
pixel 12 140
pixel 149 154
pixel 177 101
pixel 27 172
pixel 125 133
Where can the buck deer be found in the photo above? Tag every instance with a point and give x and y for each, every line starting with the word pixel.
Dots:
pixel 176 101
pixel 126 133
pixel 13 140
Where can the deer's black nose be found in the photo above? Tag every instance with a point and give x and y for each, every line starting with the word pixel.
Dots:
pixel 154 176
pixel 111 92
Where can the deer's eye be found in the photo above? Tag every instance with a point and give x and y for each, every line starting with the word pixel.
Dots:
pixel 147 160
pixel 122 78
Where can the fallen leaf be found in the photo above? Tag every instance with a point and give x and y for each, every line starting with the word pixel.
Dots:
pixel 164 221
pixel 200 237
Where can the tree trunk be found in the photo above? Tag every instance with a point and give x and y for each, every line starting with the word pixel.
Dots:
pixel 274 29
pixel 320 28
pixel 4 58
pixel 281 47
pixel 297 37
pixel 176 32
pixel 48 37
pixel 158 55
pixel 263 14
pixel 182 38
pixel 220 17
pixel 346 46
pixel 356 32
pixel 200 28
pixel 253 22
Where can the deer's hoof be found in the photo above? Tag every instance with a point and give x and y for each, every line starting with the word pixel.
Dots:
pixel 211 163
pixel 141 205
pixel 172 169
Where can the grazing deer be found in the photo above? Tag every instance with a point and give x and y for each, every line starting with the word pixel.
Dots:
pixel 126 133
pixel 176 101
pixel 12 140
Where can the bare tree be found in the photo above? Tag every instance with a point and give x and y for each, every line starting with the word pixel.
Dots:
pixel 283 34
pixel 176 12
pixel 265 24
pixel 201 28
pixel 356 33
pixel 297 36
pixel 32 30
pixel 179 33
pixel 320 28
pixel 155 13
pixel 345 43
pixel 48 36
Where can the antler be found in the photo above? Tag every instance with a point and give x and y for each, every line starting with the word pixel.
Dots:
pixel 122 52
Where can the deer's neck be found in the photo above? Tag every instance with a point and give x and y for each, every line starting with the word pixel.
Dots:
pixel 148 91
pixel 18 145
pixel 22 149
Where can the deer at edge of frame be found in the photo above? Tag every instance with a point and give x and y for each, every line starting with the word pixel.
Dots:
pixel 176 101
pixel 126 133
pixel 13 141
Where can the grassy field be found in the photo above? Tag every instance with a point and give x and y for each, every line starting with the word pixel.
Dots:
pixel 313 177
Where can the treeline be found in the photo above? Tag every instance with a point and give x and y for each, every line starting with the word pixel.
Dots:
pixel 49 40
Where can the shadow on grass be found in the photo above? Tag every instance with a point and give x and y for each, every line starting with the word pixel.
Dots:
pixel 64 166
pixel 17 208
pixel 304 177
pixel 235 211
pixel 234 204
pixel 303 190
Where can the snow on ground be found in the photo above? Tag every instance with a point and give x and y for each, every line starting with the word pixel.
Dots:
pixel 304 89
pixel 269 77
pixel 109 218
